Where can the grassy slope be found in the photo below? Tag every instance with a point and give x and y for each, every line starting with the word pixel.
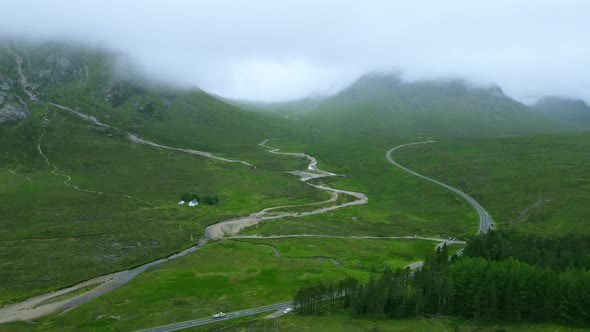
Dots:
pixel 352 130
pixel 369 254
pixel 180 117
pixel 226 276
pixel 535 184
pixel 54 224
pixel 62 236
pixel 341 322
pixel 383 106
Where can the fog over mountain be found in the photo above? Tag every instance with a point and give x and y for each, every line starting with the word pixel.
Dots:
pixel 279 50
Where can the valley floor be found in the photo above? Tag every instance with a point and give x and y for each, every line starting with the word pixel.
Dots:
pixel 38 307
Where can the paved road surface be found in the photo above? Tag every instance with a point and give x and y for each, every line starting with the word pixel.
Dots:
pixel 209 320
pixel 485 221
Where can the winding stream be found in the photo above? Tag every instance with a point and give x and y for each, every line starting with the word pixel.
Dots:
pixel 35 307
pixel 233 226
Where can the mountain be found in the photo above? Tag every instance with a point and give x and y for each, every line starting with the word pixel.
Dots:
pixel 572 111
pixel 95 158
pixel 94 82
pixel 384 105
pixel 80 198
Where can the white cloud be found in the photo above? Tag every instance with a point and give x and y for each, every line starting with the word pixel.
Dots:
pixel 287 49
pixel 266 79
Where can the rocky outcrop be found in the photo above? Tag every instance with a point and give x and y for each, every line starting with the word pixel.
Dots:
pixel 12 107
pixel 496 91
pixel 10 112
pixel 5 83
pixel 50 64
pixel 117 92
pixel 145 106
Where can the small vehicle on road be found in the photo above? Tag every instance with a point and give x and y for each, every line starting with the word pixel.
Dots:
pixel 219 315
pixel 288 310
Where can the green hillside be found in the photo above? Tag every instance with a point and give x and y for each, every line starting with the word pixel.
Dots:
pixel 497 150
pixel 119 206
pixel 535 184
pixel 96 83
pixel 383 104
pixel 80 197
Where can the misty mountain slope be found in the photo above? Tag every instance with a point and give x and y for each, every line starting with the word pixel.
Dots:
pixel 107 87
pixel 79 199
pixel 381 104
pixel 287 109
pixel 575 112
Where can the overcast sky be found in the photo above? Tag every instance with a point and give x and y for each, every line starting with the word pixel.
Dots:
pixel 277 50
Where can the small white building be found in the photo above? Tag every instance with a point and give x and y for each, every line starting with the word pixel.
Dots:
pixel 181 203
pixel 193 203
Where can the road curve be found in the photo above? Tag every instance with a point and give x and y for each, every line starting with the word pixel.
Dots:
pixel 485 221
pixel 209 320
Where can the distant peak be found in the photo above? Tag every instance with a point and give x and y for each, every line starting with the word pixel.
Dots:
pixel 379 81
pixel 380 78
pixel 560 100
pixel 496 90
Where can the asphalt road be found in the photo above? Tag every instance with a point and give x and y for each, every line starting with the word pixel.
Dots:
pixel 485 221
pixel 209 320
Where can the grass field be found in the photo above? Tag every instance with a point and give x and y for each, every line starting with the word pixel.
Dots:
pixel 341 199
pixel 61 235
pixel 342 322
pixel 399 203
pixel 223 276
pixel 368 254
pixel 231 275
pixel 535 184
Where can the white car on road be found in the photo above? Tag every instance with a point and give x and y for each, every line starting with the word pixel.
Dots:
pixel 219 315
pixel 288 310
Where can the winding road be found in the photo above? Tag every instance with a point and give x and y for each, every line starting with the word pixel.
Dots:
pixel 485 221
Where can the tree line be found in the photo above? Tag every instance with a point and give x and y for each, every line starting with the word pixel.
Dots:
pixel 471 286
pixel 209 200
pixel 557 253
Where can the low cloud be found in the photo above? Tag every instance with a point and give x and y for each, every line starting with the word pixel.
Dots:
pixel 279 50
